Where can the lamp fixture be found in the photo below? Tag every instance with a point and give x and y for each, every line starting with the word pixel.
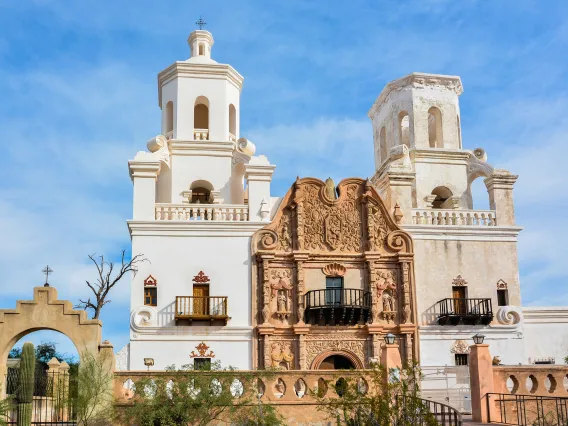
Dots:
pixel 389 339
pixel 148 362
pixel 478 339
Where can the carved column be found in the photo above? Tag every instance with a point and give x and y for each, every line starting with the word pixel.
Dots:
pixel 300 290
pixel 264 265
pixel 267 363
pixel 409 349
pixel 299 207
pixel 376 346
pixel 302 352
pixel 376 306
pixel 406 308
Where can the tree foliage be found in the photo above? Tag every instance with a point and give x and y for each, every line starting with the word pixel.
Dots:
pixel 45 351
pixel 93 400
pixel 386 399
pixel 108 278
pixel 195 397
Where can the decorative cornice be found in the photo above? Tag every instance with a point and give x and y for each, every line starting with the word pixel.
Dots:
pixel 501 285
pixel 191 70
pixel 201 278
pixel 202 148
pixel 459 281
pixel 150 281
pixel 417 80
pixel 334 270
pixel 463 233
pixel 552 314
pixel 202 349
pixel 209 228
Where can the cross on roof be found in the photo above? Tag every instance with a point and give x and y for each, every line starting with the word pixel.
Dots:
pixel 47 270
pixel 200 23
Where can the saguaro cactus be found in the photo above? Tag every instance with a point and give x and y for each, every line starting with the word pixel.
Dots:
pixel 24 396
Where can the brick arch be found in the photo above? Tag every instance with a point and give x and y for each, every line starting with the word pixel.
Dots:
pixel 344 353
pixel 46 312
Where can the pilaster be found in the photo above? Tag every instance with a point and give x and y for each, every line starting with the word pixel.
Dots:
pixel 500 188
pixel 144 171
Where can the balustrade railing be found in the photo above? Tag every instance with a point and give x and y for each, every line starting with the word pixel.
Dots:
pixel 213 212
pixel 437 217
pixel 201 134
pixel 527 410
pixel 201 307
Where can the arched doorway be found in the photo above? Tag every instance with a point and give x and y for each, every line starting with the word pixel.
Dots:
pixel 46 312
pixel 336 362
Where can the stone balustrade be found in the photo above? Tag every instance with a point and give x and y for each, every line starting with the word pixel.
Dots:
pixel 207 212
pixel 201 134
pixel 286 387
pixel 439 217
pixel 538 380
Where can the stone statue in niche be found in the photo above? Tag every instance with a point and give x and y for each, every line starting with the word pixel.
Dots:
pixel 282 355
pixel 282 291
pixel 386 289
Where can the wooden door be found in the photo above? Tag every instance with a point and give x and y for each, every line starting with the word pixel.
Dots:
pixel 459 296
pixel 200 299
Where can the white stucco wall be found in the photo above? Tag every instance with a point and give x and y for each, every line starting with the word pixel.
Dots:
pixel 546 333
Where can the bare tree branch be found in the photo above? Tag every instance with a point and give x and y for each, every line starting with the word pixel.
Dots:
pixel 106 280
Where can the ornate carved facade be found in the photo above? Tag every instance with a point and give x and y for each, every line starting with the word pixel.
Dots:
pixel 332 274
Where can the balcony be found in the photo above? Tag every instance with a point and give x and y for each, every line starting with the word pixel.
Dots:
pixel 440 217
pixel 464 311
pixel 337 306
pixel 206 308
pixel 209 212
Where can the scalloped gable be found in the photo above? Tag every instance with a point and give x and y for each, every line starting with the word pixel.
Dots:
pixel 311 219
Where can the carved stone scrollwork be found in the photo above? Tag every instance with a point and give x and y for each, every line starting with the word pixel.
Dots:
pixel 399 241
pixel 334 270
pixel 501 285
pixel 284 242
pixel 268 240
pixel 321 343
pixel 508 315
pixel 265 292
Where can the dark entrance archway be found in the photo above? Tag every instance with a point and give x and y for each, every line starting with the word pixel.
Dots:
pixel 336 362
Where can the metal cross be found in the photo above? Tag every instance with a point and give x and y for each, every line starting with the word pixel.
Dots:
pixel 200 23
pixel 47 270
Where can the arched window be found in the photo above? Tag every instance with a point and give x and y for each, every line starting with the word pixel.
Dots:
pixel 404 128
pixel 435 136
pixel 169 117
pixel 383 144
pixel 201 192
pixel 232 122
pixel 201 50
pixel 201 118
pixel 442 194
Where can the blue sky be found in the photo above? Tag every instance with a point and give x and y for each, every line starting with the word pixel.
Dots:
pixel 78 98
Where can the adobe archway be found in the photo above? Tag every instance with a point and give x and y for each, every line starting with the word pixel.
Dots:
pixel 348 355
pixel 46 312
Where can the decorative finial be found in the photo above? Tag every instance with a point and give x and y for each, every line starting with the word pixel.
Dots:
pixel 200 23
pixel 47 270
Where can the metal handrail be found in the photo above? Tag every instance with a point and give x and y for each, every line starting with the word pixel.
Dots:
pixel 465 306
pixel 338 297
pixel 525 410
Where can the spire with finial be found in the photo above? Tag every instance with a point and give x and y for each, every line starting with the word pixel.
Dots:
pixel 200 41
pixel 47 270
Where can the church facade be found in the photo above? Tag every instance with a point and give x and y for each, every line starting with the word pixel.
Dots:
pixel 318 278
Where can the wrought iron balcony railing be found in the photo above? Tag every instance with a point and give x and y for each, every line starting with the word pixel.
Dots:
pixel 201 308
pixel 337 306
pixel 465 311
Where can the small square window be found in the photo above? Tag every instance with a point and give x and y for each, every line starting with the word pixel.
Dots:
pixel 150 296
pixel 461 359
pixel 202 363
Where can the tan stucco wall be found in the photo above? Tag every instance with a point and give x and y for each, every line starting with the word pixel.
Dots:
pixel 46 312
pixel 481 263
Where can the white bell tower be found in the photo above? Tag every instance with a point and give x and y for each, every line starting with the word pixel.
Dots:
pixel 200 103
